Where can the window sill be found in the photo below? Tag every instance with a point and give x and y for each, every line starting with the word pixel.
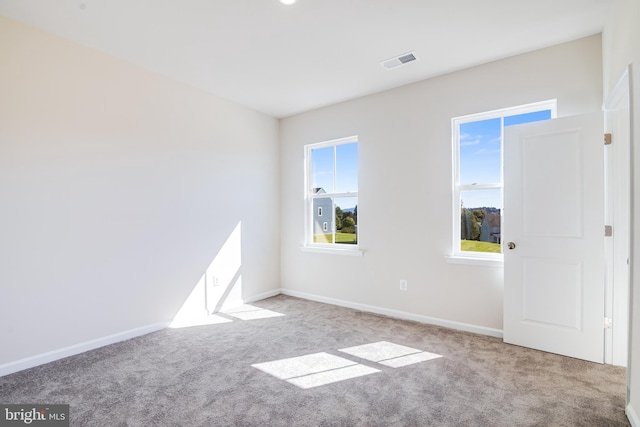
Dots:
pixel 334 251
pixel 469 260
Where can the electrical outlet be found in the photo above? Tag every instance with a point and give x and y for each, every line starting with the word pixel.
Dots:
pixel 216 281
pixel 403 285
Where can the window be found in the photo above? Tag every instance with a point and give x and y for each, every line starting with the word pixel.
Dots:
pixel 478 179
pixel 332 191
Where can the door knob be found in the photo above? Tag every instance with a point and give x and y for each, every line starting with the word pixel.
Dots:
pixel 511 245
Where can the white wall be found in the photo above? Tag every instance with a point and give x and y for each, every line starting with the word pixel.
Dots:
pixel 118 187
pixel 621 47
pixel 405 208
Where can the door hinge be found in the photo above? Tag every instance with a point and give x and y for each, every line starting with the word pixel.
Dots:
pixel 607 139
pixel 608 323
pixel 608 231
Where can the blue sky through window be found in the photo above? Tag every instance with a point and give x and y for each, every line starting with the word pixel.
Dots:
pixel 480 152
pixel 322 168
pixel 527 117
pixel 346 170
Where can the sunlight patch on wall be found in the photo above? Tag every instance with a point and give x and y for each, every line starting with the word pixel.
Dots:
pixel 223 281
pixel 390 354
pixel 193 312
pixel 251 312
pixel 314 370
pixel 219 286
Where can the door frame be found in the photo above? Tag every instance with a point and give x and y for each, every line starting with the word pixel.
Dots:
pixel 618 214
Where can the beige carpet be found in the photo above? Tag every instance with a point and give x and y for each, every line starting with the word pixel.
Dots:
pixel 290 362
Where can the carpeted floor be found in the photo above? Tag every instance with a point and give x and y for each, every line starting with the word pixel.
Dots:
pixel 203 376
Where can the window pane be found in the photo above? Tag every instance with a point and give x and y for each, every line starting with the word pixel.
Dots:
pixel 322 224
pixel 347 220
pixel 480 152
pixel 481 220
pixel 347 168
pixel 527 117
pixel 322 170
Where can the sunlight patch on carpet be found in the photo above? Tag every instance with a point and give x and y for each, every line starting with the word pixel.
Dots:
pixel 314 370
pixel 203 320
pixel 251 312
pixel 390 354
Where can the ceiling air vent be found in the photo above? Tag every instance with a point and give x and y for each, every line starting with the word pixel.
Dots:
pixel 399 60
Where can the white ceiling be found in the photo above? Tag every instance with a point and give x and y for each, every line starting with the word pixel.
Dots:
pixel 282 60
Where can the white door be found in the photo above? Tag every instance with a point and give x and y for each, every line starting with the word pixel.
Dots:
pixel 554 217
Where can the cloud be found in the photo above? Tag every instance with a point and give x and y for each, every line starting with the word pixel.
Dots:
pixel 468 143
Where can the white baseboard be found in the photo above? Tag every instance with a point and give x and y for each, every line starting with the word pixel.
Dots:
pixel 50 356
pixel 398 314
pixel 632 416
pixel 263 295
pixel 235 303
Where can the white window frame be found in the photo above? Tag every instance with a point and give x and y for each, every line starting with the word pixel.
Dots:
pixel 310 245
pixel 483 258
pixel 319 210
